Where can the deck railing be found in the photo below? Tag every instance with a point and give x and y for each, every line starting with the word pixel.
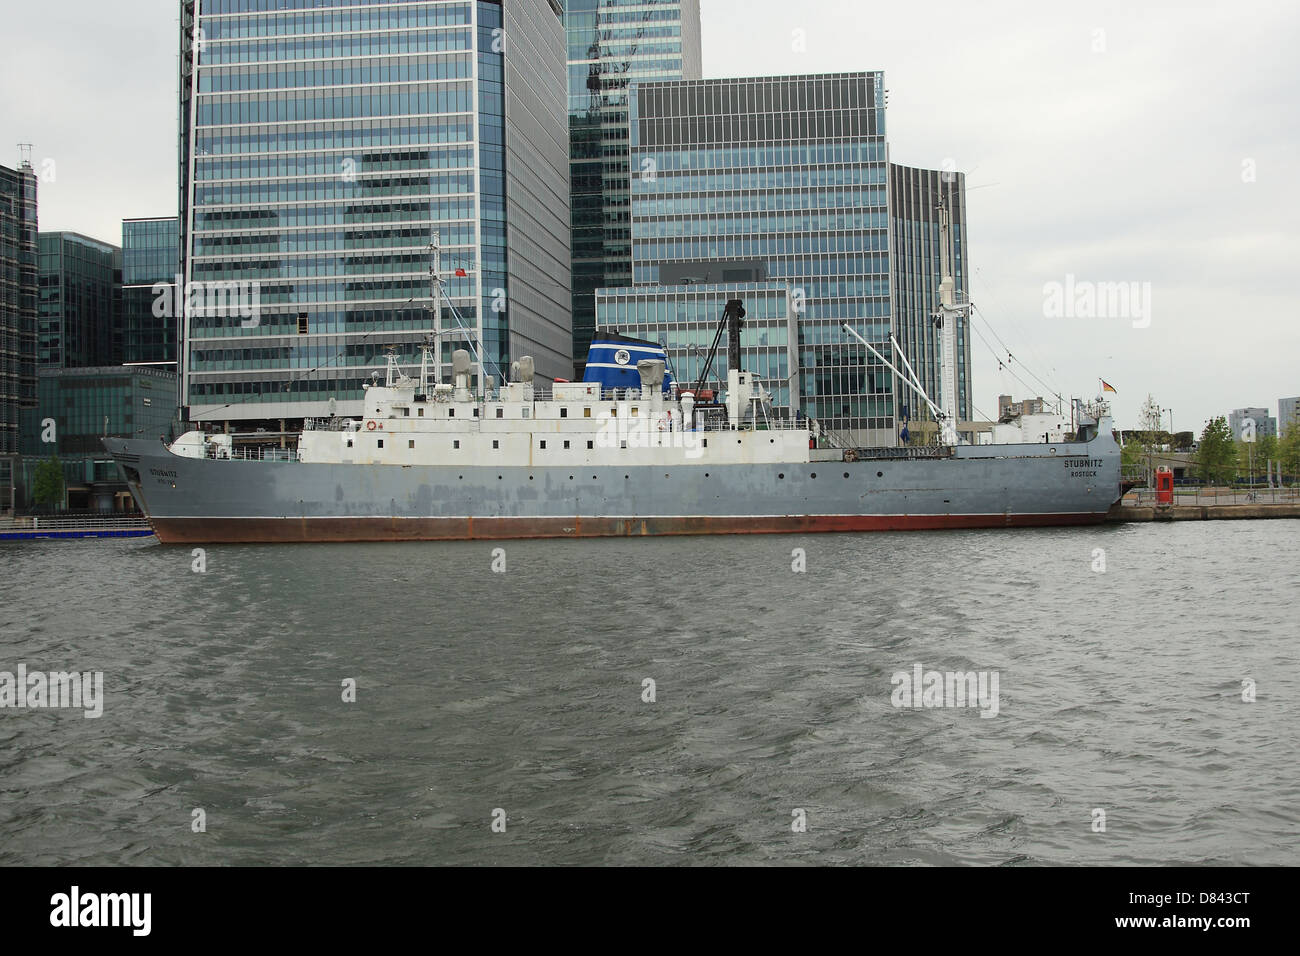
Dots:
pixel 44 523
pixel 1185 495
pixel 253 453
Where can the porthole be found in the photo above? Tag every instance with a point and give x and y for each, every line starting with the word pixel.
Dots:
pixel 880 474
pixel 781 475
pixel 814 474
pixel 846 474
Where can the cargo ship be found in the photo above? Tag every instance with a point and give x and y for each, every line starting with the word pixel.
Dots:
pixel 431 461
pixel 628 451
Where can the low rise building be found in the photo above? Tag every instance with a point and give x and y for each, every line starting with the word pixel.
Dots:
pixel 75 409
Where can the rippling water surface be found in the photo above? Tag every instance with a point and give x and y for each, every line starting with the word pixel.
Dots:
pixel 1119 691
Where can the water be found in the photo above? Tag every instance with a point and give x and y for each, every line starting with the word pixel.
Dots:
pixel 1119 691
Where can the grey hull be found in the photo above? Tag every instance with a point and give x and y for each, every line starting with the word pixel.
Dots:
pixel 194 501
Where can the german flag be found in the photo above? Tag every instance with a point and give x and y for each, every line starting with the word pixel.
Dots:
pixel 1107 387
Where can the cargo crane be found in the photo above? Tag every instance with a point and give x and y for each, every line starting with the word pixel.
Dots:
pixel 733 315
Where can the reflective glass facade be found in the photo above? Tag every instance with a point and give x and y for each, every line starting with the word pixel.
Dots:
pixel 19 292
pixel 789 172
pixel 80 297
pixel 684 320
pixel 323 144
pixel 915 195
pixel 613 43
pixel 150 254
pixel 87 404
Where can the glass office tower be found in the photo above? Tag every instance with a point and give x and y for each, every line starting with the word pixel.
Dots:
pixel 322 145
pixel 613 43
pixel 914 199
pixel 19 291
pixel 778 179
pixel 80 301
pixel 150 255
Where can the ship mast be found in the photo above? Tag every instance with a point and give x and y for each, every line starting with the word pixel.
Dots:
pixel 951 308
pixel 435 272
pixel 437 294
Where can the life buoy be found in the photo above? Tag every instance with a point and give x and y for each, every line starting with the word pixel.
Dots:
pixel 370 426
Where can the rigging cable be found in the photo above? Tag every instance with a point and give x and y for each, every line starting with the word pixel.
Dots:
pixel 1004 365
pixel 1055 389
pixel 1050 389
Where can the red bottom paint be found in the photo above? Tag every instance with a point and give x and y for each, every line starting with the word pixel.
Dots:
pixel 288 530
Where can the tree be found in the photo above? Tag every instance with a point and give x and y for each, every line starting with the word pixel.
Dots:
pixel 1149 436
pixel 47 483
pixel 1133 456
pixel 1247 459
pixel 1288 451
pixel 1216 458
pixel 1149 417
pixel 1265 451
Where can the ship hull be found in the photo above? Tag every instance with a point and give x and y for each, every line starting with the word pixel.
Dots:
pixel 200 501
pixel 269 530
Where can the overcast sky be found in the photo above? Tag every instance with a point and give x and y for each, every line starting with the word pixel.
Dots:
pixel 1140 142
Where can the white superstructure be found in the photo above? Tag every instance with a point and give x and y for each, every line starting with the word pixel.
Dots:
pixel 414 421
